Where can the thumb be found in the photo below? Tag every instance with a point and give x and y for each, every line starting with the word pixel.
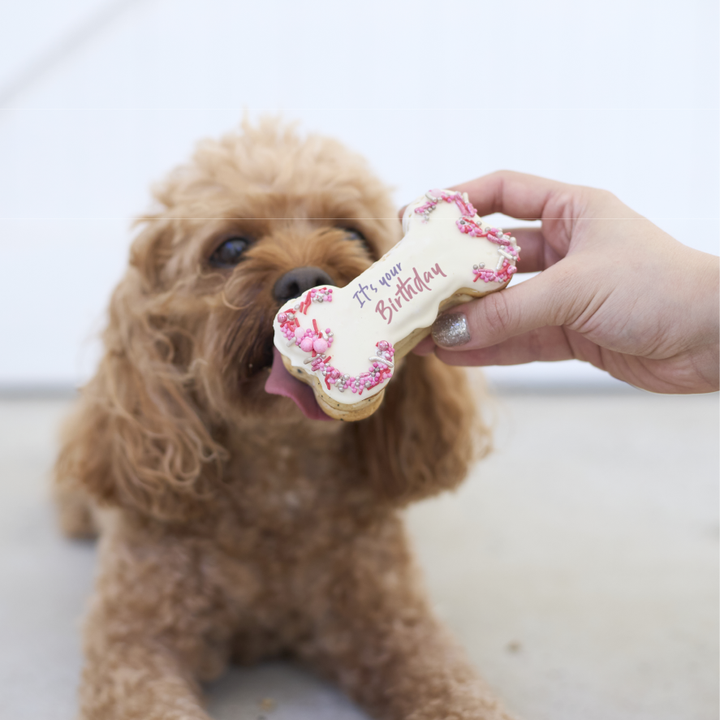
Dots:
pixel 535 303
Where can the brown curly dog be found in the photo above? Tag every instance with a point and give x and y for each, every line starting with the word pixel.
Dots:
pixel 233 528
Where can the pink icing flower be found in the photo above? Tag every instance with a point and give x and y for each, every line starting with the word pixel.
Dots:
pixel 313 340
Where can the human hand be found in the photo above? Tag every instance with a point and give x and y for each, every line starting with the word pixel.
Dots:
pixel 614 291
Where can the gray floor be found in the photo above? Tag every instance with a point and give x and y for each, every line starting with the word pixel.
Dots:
pixel 579 565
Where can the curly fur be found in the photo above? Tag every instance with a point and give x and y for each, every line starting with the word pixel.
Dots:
pixel 232 527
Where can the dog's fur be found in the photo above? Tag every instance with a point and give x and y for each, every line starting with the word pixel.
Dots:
pixel 233 528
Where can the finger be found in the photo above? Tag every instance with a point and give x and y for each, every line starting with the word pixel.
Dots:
pixel 535 252
pixel 511 193
pixel 548 344
pixel 425 347
pixel 542 301
pixel 518 195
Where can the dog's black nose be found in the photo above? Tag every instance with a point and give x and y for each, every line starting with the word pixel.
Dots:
pixel 294 283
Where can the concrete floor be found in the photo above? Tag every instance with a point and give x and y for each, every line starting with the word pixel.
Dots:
pixel 578 564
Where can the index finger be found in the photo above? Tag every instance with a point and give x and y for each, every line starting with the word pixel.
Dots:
pixel 536 254
pixel 515 194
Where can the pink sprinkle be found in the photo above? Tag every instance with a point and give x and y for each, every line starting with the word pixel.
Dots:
pixel 307 344
pixel 320 346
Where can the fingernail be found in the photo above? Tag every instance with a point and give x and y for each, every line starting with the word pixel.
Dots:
pixel 451 330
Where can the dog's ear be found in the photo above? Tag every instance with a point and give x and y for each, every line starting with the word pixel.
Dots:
pixel 138 438
pixel 424 435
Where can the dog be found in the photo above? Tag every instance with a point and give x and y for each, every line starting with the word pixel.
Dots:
pixel 233 527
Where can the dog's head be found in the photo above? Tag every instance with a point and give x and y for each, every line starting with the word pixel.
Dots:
pixel 254 220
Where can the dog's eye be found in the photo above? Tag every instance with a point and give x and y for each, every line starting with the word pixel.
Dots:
pixel 230 252
pixel 356 235
pixel 353 234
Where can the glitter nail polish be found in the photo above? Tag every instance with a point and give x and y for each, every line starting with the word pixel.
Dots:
pixel 451 330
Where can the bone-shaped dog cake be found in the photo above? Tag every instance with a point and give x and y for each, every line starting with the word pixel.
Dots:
pixel 345 342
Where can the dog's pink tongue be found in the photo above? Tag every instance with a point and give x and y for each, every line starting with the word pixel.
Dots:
pixel 281 382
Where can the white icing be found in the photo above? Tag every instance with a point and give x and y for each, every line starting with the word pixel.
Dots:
pixel 360 314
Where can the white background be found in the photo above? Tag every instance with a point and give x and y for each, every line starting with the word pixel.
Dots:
pixel 99 99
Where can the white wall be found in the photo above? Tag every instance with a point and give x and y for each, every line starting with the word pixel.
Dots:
pixel 100 99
